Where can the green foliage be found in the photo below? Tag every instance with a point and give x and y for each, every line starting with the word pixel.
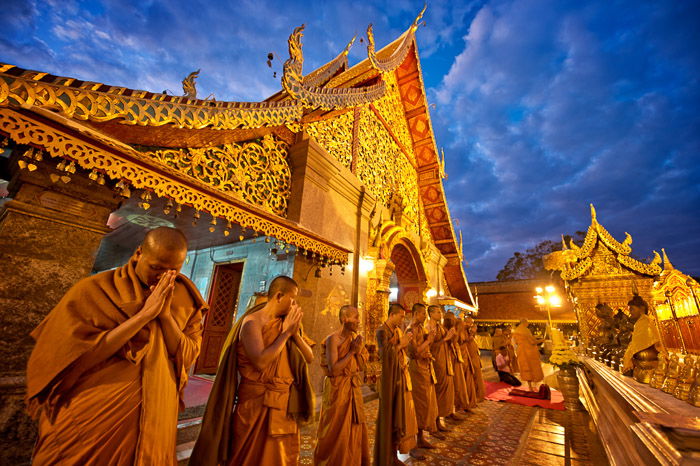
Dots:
pixel 528 264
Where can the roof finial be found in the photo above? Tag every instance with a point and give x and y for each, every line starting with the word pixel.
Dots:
pixel 667 263
pixel 189 87
pixel 416 22
pixel 564 247
pixel 593 214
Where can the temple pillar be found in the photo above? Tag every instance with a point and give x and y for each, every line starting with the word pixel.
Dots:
pixel 49 234
pixel 327 199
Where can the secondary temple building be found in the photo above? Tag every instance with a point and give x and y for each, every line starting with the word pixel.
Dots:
pixel 335 180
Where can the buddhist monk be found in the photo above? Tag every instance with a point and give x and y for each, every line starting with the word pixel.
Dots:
pixel 262 388
pixel 644 336
pixel 475 359
pixel 396 420
pixel 342 431
pixel 444 369
pixel 107 374
pixel 461 395
pixel 423 376
pixel 528 355
pixel 508 337
pixel 468 367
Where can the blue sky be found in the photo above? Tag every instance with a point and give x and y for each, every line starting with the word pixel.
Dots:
pixel 541 106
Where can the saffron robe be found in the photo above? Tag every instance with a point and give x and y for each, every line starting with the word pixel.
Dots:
pixel 342 430
pixel 255 420
pixel 469 370
pixel 475 359
pixel 644 335
pixel 396 420
pixel 511 355
pixel 528 355
pixel 123 410
pixel 423 380
pixel 458 363
pixel 444 372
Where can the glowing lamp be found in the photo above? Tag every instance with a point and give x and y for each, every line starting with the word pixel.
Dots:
pixel 431 293
pixel 540 300
pixel 366 265
pixel 555 300
pixel 538 289
pixel 549 289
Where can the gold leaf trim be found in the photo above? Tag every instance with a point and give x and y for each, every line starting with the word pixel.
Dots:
pixel 99 102
pixel 389 64
pixel 145 173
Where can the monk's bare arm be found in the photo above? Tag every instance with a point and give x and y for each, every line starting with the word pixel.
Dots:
pixel 336 366
pixel 306 350
pixel 251 337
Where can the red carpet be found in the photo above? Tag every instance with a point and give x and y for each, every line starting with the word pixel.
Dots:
pixel 197 391
pixel 500 391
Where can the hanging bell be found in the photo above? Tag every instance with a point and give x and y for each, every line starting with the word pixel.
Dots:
pixel 195 217
pixel 212 225
pixel 168 207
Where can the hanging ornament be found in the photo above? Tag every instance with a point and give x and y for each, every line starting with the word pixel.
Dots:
pixel 212 225
pixel 168 207
pixel 195 217
pixel 145 203
pixel 123 188
pixel 228 228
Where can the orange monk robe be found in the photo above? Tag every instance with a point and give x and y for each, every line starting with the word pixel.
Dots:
pixel 342 430
pixel 396 420
pixel 122 411
pixel 528 355
pixel 461 395
pixel 252 415
pixel 444 373
pixel 423 380
pixel 514 367
pixel 475 359
pixel 469 370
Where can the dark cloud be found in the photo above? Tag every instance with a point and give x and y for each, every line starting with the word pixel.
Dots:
pixel 542 106
pixel 552 105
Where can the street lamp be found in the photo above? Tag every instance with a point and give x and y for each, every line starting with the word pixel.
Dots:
pixel 548 298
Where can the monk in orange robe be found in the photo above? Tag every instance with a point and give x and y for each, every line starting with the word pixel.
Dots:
pixel 423 377
pixel 528 355
pixel 107 374
pixel 475 359
pixel 468 367
pixel 461 395
pixel 254 420
pixel 441 350
pixel 508 336
pixel 342 431
pixel 396 420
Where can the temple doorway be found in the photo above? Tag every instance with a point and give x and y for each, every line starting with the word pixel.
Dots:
pixel 223 308
pixel 408 282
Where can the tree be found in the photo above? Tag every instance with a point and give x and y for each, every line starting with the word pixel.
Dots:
pixel 528 265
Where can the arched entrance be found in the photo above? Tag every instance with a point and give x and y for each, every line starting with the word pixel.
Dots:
pixel 398 275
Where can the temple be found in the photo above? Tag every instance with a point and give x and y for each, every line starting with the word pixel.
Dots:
pixel 335 180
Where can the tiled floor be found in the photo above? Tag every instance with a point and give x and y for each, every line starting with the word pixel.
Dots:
pixel 501 434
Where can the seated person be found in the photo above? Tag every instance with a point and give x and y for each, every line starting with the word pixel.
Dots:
pixel 503 367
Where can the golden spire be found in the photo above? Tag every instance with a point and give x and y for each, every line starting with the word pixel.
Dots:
pixel 667 263
pixel 564 247
pixel 593 215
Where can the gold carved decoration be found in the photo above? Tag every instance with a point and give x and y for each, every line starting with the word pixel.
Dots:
pixel 321 97
pixel 144 172
pixel 394 61
pixel 335 135
pixel 98 102
pixel 256 171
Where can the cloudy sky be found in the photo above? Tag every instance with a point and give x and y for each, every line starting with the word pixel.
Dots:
pixel 542 107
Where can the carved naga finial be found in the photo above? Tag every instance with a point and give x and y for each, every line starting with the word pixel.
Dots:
pixel 189 87
pixel 443 173
pixel 349 46
pixel 593 214
pixel 667 263
pixel 657 258
pixel 564 247
pixel 416 22
pixel 628 239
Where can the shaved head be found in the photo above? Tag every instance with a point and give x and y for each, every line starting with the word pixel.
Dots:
pixel 281 284
pixel 164 238
pixel 395 308
pixel 346 311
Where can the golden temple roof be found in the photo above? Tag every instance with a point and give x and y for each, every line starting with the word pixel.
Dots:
pixel 575 261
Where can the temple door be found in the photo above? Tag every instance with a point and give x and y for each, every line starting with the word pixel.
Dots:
pixel 223 302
